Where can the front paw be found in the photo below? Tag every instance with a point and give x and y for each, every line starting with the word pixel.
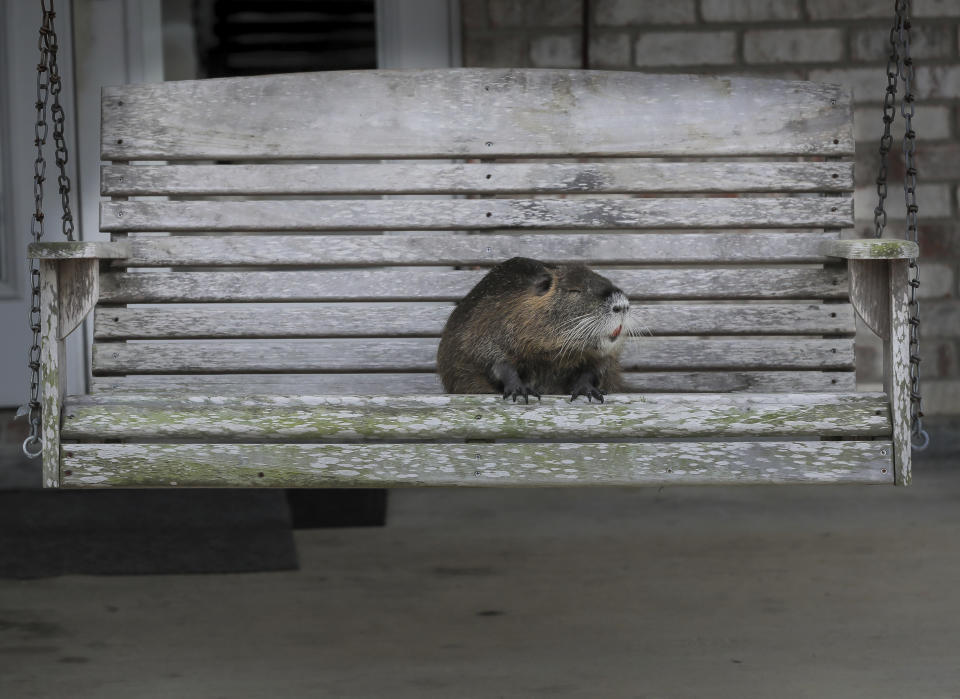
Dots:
pixel 515 389
pixel 585 387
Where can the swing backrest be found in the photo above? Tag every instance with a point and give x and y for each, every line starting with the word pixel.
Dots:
pixel 310 233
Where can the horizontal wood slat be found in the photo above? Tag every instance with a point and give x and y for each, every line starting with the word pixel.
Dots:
pixel 304 418
pixel 473 113
pixel 446 214
pixel 474 178
pixel 802 246
pixel 78 250
pixel 388 465
pixel 872 249
pixel 419 354
pixel 452 285
pixel 395 384
pixel 428 319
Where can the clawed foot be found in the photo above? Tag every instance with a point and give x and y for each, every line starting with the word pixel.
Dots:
pixel 586 388
pixel 515 389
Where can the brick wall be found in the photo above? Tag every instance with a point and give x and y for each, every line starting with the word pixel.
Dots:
pixel 841 41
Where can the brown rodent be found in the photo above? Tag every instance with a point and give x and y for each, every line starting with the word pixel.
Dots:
pixel 529 328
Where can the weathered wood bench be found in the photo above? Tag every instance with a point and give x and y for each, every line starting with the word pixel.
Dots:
pixel 265 318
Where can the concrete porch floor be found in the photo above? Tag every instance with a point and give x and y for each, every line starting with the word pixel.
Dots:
pixel 804 591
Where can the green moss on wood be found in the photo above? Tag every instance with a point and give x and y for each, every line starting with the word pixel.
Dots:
pixel 479 417
pixel 345 465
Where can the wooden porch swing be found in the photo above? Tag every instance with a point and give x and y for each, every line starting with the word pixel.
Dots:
pixel 269 323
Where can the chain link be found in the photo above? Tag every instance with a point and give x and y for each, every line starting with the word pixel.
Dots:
pixel 886 141
pixel 48 83
pixel 900 64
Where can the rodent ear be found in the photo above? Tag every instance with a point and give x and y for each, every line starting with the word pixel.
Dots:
pixel 543 284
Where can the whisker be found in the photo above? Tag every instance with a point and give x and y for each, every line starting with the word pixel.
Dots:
pixel 573 321
pixel 572 337
pixel 634 328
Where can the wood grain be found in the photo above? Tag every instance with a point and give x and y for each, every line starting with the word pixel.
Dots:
pixel 872 249
pixel 79 289
pixel 870 293
pixel 474 178
pixel 896 372
pixel 390 465
pixel 747 247
pixel 473 113
pixel 428 319
pixel 475 214
pixel 145 417
pixel 452 285
pixel 70 250
pixel 419 355
pixel 177 385
pixel 53 365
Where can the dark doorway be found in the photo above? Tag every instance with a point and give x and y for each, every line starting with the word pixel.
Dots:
pixel 259 37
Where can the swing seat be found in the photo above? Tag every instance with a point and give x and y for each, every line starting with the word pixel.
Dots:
pixel 284 252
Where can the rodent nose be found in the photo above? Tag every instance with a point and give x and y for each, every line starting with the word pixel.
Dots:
pixel 619 302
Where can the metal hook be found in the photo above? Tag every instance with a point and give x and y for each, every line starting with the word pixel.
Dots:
pixel 29 442
pixel 924 444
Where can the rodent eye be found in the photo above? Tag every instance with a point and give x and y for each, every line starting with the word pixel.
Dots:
pixel 574 291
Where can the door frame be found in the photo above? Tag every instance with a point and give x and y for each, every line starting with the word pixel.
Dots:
pixel 418 34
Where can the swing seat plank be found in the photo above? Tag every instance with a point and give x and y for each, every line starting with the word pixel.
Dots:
pixel 269 315
pixel 392 465
pixel 307 418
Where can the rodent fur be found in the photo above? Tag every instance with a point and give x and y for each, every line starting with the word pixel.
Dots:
pixel 530 328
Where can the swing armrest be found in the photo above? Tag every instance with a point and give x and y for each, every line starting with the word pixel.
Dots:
pixel 879 272
pixel 69 290
pixel 70 272
pixel 871 249
pixel 72 268
pixel 76 250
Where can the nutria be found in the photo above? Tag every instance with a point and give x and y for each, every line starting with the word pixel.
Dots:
pixel 529 328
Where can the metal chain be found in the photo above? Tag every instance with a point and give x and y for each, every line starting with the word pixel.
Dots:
pixel 889 113
pixel 48 83
pixel 58 116
pixel 900 64
pixel 905 68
